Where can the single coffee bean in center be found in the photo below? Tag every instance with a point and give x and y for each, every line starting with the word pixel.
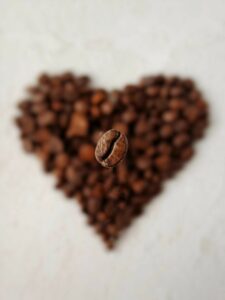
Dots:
pixel 111 148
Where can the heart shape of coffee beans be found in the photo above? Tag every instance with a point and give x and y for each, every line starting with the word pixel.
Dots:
pixel 63 117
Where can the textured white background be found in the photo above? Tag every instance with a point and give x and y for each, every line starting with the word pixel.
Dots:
pixel 176 251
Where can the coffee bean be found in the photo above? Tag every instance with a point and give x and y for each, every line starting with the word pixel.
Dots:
pixel 181 125
pixel 87 152
pixel 81 107
pixel 176 104
pixel 129 116
pixel 141 127
pixel 122 173
pixel 98 97
pixel 169 116
pixel 166 131
pixel 102 217
pixel 71 174
pixel 78 125
pixel 176 91
pixel 42 135
pixel 93 205
pixel 27 124
pixel 180 140
pixel 112 230
pixel 163 162
pixel 46 118
pixel 111 148
pixel 138 186
pixel 54 145
pixel 107 108
pixel 27 145
pixel 152 91
pixel 61 160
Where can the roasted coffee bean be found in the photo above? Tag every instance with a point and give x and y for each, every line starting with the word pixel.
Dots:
pixel 169 116
pixel 63 118
pixel 166 131
pixel 107 108
pixel 93 205
pixel 111 148
pixel 46 118
pixel 78 125
pixel 87 152
pixel 98 97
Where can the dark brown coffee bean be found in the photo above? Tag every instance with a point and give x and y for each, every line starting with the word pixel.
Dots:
pixel 110 208
pixel 39 96
pixel 38 108
pixel 44 78
pixel 181 125
pixel 54 145
pixel 42 135
pixel 56 106
pixel 28 145
pixel 164 148
pixel 93 205
pixel 164 92
pixel 180 140
pixel 187 153
pixel 71 174
pixel 139 143
pixel 63 120
pixel 141 127
pixel 138 186
pixel 87 153
pixel 61 160
pixel 107 108
pixel 142 164
pixel 163 162
pixel 188 84
pixel 112 230
pixel 114 193
pixel 27 124
pixel 98 97
pixel 102 217
pixel 169 116
pixel 192 113
pixel 166 131
pixel 68 190
pixel 109 182
pixel 81 107
pixel 46 118
pixel 110 243
pixel 92 179
pixel 152 91
pixel 122 173
pixel 25 106
pixel 176 104
pixel 176 91
pixel 129 116
pixel 78 125
pixel 111 148
pixel 97 191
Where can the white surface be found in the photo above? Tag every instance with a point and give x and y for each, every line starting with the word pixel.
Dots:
pixel 176 251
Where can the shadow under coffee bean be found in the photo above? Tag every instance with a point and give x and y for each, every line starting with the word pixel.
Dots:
pixel 63 117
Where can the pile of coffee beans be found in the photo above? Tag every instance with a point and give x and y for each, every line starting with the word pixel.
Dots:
pixel 63 117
